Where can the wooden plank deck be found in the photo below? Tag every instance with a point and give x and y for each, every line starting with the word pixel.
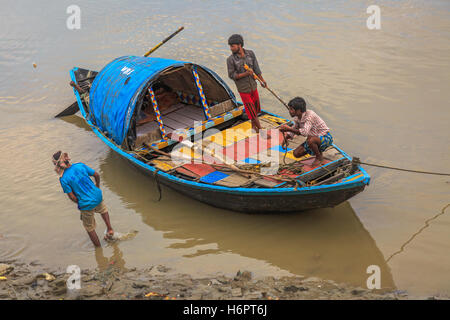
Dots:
pixel 193 112
pixel 178 116
pixel 172 124
pixel 238 145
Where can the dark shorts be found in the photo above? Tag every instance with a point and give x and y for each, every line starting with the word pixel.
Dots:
pixel 325 142
pixel 251 103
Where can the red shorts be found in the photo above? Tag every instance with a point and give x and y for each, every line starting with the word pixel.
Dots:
pixel 251 103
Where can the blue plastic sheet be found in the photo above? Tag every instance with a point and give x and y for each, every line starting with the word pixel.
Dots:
pixel 115 90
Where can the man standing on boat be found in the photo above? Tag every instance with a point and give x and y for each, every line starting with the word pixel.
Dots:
pixel 245 82
pixel 308 124
pixel 76 182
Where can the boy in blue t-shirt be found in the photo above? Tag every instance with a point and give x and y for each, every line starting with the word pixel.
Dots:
pixel 76 182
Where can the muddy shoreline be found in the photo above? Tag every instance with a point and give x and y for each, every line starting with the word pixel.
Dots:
pixel 25 281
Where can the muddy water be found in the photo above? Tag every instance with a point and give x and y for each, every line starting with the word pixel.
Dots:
pixel 384 93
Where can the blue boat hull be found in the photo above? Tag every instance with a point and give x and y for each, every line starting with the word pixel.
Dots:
pixel 261 202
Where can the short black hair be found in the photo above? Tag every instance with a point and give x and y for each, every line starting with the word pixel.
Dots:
pixel 57 155
pixel 298 103
pixel 236 39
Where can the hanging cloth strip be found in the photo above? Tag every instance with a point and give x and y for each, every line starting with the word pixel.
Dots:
pixel 200 92
pixel 157 113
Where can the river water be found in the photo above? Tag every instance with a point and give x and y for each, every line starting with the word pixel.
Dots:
pixel 384 94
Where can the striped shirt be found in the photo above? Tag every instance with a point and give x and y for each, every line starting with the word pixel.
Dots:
pixel 310 125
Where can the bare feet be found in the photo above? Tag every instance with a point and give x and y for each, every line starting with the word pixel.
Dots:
pixel 109 235
pixel 317 162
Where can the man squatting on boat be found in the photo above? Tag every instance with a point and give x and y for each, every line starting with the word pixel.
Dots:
pixel 76 182
pixel 308 124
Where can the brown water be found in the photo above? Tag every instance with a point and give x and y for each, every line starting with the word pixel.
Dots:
pixel 384 93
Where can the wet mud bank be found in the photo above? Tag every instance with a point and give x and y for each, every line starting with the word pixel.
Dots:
pixel 30 281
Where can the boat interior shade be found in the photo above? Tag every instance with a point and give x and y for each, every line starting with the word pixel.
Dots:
pixel 180 79
pixel 178 102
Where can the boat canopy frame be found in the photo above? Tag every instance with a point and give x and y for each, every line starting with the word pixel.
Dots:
pixel 120 86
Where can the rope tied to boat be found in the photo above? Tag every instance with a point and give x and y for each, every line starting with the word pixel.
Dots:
pixel 356 161
pixel 402 248
pixel 158 186
pixel 284 146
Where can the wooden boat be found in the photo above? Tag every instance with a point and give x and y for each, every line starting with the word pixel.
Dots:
pixel 200 142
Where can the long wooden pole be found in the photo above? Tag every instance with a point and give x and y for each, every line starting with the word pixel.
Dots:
pixel 73 108
pixel 164 41
pixel 246 67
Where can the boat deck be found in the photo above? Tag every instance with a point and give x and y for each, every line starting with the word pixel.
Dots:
pixel 237 157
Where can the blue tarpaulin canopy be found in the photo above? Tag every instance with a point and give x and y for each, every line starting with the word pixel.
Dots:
pixel 116 89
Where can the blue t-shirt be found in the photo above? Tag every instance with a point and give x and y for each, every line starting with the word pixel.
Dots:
pixel 76 179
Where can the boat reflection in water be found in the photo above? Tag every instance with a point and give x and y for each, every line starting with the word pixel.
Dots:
pixel 326 243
